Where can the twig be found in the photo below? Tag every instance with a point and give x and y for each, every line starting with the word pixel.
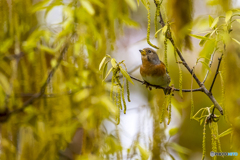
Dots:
pixel 210 64
pixel 160 87
pixel 160 15
pixel 42 90
pixel 219 62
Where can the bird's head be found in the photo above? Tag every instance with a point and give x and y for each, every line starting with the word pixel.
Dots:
pixel 150 55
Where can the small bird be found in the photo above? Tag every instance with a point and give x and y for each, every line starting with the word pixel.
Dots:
pixel 152 70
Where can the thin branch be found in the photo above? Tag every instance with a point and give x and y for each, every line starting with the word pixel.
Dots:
pixel 210 64
pixel 161 21
pixel 160 87
pixel 217 71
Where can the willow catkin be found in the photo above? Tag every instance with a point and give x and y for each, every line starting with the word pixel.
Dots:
pixel 204 139
pixel 149 24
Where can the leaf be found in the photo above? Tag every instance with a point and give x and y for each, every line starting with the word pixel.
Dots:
pixel 206 65
pixel 158 32
pixel 105 69
pixel 114 62
pixel 164 29
pixel 199 37
pixel 102 62
pixel 210 20
pixel 179 149
pixel 39 6
pixel 215 22
pixel 228 16
pixel 173 131
pixel 110 70
pixel 143 152
pixel 4 82
pixel 131 4
pixel 228 131
pixel 88 7
pixel 236 41
pixel 201 43
pixel 81 95
pixel 144 3
pixel 138 2
pixel 125 74
pixel 238 20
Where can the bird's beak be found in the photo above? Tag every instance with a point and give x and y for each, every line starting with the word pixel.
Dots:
pixel 142 52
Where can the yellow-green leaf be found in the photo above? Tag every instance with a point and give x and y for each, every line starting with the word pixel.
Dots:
pixel 158 32
pixel 110 70
pixel 173 131
pixel 88 7
pixel 143 152
pixel 214 23
pixel 102 62
pixel 202 42
pixel 114 62
pixel 199 37
pixel 206 65
pixel 236 41
pixel 131 4
pixel 125 74
pixel 210 20
pixel 228 16
pixel 228 131
pixel 238 20
pixel 144 3
pixel 81 95
pixel 104 70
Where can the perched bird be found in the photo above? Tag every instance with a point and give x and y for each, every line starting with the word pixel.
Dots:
pixel 152 70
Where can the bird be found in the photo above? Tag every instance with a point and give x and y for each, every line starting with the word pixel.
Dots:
pixel 152 70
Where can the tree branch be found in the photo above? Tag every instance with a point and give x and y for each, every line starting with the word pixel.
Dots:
pixel 217 71
pixel 160 87
pixel 201 85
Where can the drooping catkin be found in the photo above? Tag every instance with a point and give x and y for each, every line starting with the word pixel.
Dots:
pixel 119 98
pixel 223 94
pixel 163 109
pixel 156 15
pixel 169 107
pixel 204 139
pixel 127 86
pixel 149 24
pixel 165 53
pixel 123 98
pixel 180 80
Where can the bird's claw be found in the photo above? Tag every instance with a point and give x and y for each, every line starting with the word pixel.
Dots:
pixel 147 85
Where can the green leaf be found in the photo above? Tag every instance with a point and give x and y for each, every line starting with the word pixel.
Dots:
pixel 179 149
pixel 236 41
pixel 105 69
pixel 4 82
pixel 173 131
pixel 110 70
pixel 88 7
pixel 158 32
pixel 125 74
pixel 199 37
pixel 228 131
pixel 138 2
pixel 202 42
pixel 81 95
pixel 143 152
pixel 131 4
pixel 238 20
pixel 39 6
pixel 206 65
pixel 164 29
pixel 215 22
pixel 228 16
pixel 210 20
pixel 114 62
pixel 102 62
pixel 144 3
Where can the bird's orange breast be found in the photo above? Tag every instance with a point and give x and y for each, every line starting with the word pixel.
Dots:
pixel 149 69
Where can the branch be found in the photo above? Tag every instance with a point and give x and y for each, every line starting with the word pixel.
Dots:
pixel 7 114
pixel 201 85
pixel 217 71
pixel 160 87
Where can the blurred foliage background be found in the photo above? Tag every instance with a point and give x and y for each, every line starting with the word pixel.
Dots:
pixel 54 103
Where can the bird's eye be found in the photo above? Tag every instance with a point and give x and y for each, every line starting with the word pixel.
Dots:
pixel 149 51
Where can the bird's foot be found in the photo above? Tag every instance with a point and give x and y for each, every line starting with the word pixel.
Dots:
pixel 147 85
pixel 169 89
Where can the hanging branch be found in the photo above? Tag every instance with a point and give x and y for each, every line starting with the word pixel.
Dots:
pixel 5 115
